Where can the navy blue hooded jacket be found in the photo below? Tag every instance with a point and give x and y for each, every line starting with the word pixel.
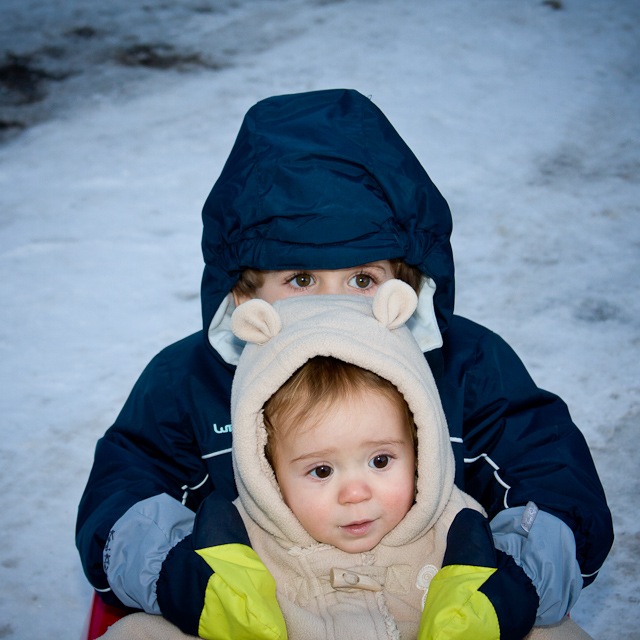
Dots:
pixel 322 181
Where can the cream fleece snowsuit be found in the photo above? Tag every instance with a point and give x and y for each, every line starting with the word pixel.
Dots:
pixel 326 593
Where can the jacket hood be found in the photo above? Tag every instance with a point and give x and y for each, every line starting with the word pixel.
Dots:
pixel 321 180
pixel 366 332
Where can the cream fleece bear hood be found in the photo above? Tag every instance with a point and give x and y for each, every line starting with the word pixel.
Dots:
pixel 366 332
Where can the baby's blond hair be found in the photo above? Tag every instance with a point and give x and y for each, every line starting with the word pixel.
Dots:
pixel 316 386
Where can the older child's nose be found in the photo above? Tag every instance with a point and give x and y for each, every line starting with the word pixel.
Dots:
pixel 353 491
pixel 330 286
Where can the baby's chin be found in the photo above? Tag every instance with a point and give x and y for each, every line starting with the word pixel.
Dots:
pixel 357 549
pixel 358 546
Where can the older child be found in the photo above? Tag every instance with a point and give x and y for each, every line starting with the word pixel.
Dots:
pixel 319 193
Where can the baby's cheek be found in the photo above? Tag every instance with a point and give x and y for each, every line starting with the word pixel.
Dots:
pixel 316 521
pixel 400 501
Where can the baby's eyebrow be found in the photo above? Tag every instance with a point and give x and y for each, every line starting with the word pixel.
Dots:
pixel 323 453
pixel 398 442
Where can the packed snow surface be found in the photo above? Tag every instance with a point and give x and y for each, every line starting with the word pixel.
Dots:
pixel 116 118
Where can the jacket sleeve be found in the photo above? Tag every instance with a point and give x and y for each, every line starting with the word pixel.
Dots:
pixel 520 445
pixel 143 463
pixel 212 583
pixel 479 592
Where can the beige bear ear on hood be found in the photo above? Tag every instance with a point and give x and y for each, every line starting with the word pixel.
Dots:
pixel 256 321
pixel 394 303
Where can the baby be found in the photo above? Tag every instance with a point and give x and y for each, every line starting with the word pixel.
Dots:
pixel 348 496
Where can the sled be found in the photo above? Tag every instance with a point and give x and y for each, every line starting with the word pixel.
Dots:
pixel 100 617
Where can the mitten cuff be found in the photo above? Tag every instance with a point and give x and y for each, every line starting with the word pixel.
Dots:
pixel 138 545
pixel 546 553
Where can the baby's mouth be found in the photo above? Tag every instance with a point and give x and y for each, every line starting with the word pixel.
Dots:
pixel 359 528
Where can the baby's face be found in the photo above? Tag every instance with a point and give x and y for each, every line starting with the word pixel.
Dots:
pixel 349 475
pixel 362 280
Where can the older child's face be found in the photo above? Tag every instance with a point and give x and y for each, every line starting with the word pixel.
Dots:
pixel 349 475
pixel 361 280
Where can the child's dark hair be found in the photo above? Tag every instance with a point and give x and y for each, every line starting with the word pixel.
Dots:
pixel 315 387
pixel 252 279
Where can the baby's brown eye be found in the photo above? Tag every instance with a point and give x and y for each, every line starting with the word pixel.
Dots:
pixel 362 281
pixel 379 462
pixel 302 280
pixel 322 472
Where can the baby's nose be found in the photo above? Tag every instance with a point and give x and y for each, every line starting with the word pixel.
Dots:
pixel 354 490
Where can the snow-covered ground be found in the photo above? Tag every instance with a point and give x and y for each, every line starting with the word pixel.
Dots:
pixel 525 114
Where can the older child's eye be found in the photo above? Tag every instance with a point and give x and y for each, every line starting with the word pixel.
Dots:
pixel 322 472
pixel 301 280
pixel 361 281
pixel 380 462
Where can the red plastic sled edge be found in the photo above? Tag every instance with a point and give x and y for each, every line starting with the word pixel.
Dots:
pixel 101 616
